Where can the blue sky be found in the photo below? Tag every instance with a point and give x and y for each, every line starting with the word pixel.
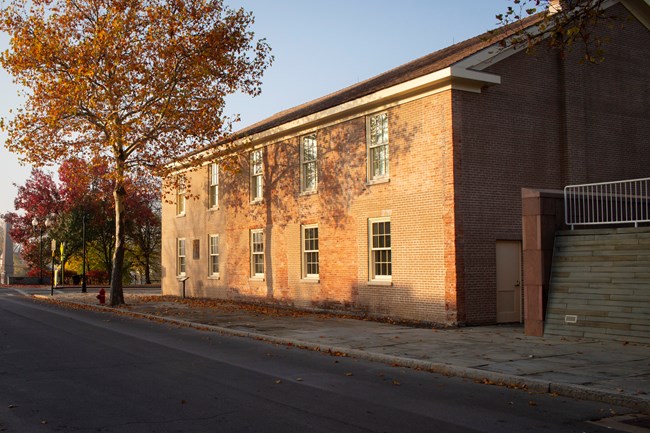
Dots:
pixel 319 47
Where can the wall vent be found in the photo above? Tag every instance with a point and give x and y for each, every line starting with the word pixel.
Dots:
pixel 570 318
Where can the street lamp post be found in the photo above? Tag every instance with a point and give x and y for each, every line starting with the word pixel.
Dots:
pixel 83 264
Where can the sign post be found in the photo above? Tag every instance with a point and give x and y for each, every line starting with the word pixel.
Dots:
pixel 52 279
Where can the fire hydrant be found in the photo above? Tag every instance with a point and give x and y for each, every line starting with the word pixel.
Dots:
pixel 102 296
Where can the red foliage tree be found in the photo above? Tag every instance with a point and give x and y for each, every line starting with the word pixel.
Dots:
pixel 39 199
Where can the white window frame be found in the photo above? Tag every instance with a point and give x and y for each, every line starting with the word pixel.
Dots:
pixel 374 249
pixel 213 186
pixel 308 162
pixel 180 198
pixel 213 256
pixel 377 144
pixel 306 251
pixel 256 175
pixel 181 257
pixel 257 255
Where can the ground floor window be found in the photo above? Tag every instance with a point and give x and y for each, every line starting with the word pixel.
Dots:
pixel 380 249
pixel 310 259
pixel 213 264
pixel 180 257
pixel 257 253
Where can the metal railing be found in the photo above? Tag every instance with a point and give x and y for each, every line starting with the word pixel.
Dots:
pixel 623 202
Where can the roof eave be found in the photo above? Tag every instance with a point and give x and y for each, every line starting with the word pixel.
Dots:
pixel 454 77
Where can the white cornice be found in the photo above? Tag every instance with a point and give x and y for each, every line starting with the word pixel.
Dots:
pixel 640 9
pixel 453 77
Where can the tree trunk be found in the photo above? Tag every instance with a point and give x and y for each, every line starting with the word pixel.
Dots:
pixel 147 270
pixel 117 292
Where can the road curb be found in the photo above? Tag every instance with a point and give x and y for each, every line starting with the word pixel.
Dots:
pixel 480 376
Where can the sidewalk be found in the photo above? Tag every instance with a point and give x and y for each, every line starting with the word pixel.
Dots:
pixel 610 372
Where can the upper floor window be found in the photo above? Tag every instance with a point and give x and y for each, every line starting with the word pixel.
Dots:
pixel 308 163
pixel 377 136
pixel 256 175
pixel 180 197
pixel 213 186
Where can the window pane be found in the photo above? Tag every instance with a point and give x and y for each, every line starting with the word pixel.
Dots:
pixel 214 174
pixel 309 148
pixel 309 175
pixel 379 157
pixel 258 263
pixel 379 129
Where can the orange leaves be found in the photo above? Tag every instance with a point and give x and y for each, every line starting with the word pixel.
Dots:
pixel 137 76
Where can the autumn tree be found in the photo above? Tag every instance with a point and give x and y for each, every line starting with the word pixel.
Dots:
pixel 133 82
pixel 38 199
pixel 560 25
pixel 87 192
pixel 145 223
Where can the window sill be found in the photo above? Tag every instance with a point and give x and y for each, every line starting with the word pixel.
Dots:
pixel 308 193
pixel 380 282
pixel 180 215
pixel 214 277
pixel 378 181
pixel 257 201
pixel 310 280
pixel 256 278
pixel 213 209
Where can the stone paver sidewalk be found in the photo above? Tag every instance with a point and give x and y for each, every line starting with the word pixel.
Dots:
pixel 611 372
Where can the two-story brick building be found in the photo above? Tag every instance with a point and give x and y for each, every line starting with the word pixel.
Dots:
pixel 400 196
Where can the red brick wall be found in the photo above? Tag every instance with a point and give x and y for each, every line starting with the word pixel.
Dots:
pixel 548 124
pixel 418 198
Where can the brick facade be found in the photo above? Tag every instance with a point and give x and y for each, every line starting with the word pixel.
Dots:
pixel 457 160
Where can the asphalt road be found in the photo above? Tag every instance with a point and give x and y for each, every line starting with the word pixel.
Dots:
pixel 66 370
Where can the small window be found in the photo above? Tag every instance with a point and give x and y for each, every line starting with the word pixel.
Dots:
pixel 180 257
pixel 196 249
pixel 256 175
pixel 257 253
pixel 308 163
pixel 213 264
pixel 213 186
pixel 377 128
pixel 310 259
pixel 380 249
pixel 180 197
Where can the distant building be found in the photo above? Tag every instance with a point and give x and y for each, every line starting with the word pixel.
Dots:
pixel 400 196
pixel 6 253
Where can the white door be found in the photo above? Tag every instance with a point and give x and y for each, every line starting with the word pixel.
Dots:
pixel 508 281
